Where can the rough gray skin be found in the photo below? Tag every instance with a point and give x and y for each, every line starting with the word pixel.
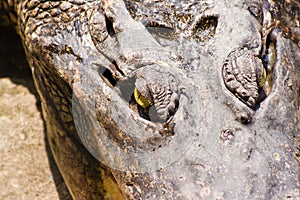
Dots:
pixel 212 152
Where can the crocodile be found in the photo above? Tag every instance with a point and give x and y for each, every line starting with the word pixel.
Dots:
pixel 167 99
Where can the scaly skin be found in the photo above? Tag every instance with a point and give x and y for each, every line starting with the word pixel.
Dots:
pixel 84 53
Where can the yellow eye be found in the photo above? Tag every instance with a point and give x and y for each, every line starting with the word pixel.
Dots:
pixel 142 101
pixel 263 78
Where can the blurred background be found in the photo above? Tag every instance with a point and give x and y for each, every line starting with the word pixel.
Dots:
pixel 27 168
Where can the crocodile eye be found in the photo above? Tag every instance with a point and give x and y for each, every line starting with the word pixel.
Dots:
pixel 269 60
pixel 144 107
pixel 140 99
pixel 262 77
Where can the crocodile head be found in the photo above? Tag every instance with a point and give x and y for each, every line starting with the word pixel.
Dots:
pixel 193 62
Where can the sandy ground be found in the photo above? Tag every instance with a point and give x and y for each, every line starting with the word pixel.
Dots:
pixel 27 168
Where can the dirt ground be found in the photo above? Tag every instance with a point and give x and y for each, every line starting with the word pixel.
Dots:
pixel 27 168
